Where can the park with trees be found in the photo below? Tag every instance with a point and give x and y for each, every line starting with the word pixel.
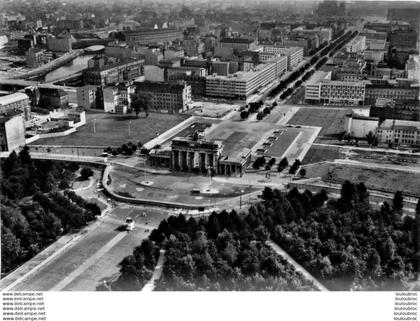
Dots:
pixel 35 210
pixel 344 243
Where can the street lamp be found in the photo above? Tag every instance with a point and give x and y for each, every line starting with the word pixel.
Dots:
pixel 240 199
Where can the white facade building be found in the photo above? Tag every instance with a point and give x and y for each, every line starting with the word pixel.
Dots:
pixel 357 44
pixel 240 85
pixel 294 54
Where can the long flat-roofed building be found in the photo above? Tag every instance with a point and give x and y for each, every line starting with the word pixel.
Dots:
pixel 16 102
pixel 321 89
pixel 398 89
pixel 241 85
pixel 145 37
pixel 103 71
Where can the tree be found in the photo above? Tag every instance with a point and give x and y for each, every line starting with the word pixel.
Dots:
pixel 302 172
pixel 141 102
pixel 25 156
pixel 398 200
pixel 244 114
pixel 370 138
pixel 85 173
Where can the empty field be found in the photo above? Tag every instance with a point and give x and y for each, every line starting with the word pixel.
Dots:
pixel 331 120
pixel 104 129
pixel 381 179
pixel 322 153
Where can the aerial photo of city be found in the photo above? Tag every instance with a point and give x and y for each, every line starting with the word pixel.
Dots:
pixel 197 145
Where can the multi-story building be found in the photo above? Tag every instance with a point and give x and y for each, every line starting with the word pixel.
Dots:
pixel 398 89
pixel 239 44
pixel 388 109
pixel 241 85
pixel 59 44
pixel 403 39
pixel 321 89
pixel 412 67
pixel 357 44
pixel 220 68
pixel 307 42
pixel 17 102
pixel 173 72
pixel 401 132
pixel 145 37
pixel 35 58
pixel 324 34
pixel 195 154
pixel 104 71
pixel 12 132
pixel 86 96
pixel 294 54
pixel 111 98
pixel 193 47
pixel 167 97
pixel 52 97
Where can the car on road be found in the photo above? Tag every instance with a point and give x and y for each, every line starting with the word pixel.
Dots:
pixel 129 224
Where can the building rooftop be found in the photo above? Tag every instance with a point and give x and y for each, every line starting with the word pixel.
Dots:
pixel 242 75
pixel 318 76
pixel 9 99
pixel 239 156
pixel 400 124
pixel 148 31
pixel 236 40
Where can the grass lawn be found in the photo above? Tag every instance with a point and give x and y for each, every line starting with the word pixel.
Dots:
pixel 331 121
pixel 322 153
pixel 104 129
pixel 386 180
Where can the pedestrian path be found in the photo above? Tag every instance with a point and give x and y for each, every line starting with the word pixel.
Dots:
pixel 296 265
pixel 156 273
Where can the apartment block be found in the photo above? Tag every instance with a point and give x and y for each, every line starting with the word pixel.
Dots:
pixel 294 54
pixel 167 97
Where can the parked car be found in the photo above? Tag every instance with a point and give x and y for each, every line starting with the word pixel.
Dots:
pixel 129 224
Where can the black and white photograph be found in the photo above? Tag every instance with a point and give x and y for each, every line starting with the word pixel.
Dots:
pixel 210 149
